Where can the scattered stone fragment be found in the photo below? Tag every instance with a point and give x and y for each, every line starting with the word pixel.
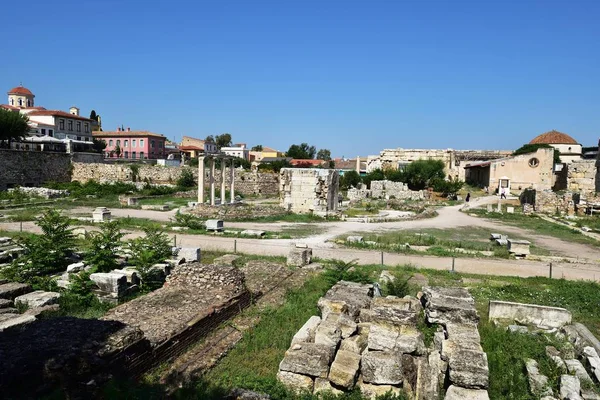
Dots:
pixel 5 303
pixel 372 391
pixel 16 322
pixel 297 382
pixel 443 305
pixel 460 393
pixel 188 254
pixel 39 298
pixel 323 385
pixel 554 355
pixel 529 314
pixel 593 360
pixel 469 368
pixel 517 329
pixel 13 289
pixel 354 239
pixel 299 256
pixel 348 297
pixel 575 367
pixel 538 383
pixel 328 333
pixel 75 267
pixel 344 370
pixel 570 387
pixel 308 359
pixel 306 334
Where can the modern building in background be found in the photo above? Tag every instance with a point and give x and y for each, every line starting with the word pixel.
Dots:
pixel 132 145
pixel 237 150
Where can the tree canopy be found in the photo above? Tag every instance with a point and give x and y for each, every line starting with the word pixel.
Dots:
pixel 210 139
pixel 324 154
pixel 421 174
pixel 258 147
pixel 302 151
pixel 13 125
pixel 349 179
pixel 532 148
pixel 223 140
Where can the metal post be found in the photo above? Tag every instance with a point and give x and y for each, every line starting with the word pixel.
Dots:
pixel 382 258
pixel 453 261
pixel 550 270
pixel 175 241
pixel 234 246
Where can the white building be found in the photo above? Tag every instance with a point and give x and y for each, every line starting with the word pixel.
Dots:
pixel 238 150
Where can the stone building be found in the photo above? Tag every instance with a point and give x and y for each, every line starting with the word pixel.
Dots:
pixel 568 147
pixel 309 190
pixel 515 173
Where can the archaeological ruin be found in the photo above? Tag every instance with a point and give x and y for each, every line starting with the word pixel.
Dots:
pixel 309 190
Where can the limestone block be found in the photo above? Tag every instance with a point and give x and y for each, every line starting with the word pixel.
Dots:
pixel 324 386
pixel 115 283
pixel 75 267
pixel 354 239
pixel 519 247
pixel 214 225
pixel 101 214
pixel 570 387
pixel 381 368
pixel 299 257
pixel 39 298
pixel 5 303
pixel 328 332
pixel 382 337
pixel 593 360
pixel 393 310
pixel 308 359
pixel 189 254
pixel 355 344
pixel 131 274
pixel 529 314
pixel 443 305
pixel 13 289
pixel 16 321
pixel 371 391
pixel 460 393
pixel 538 383
pixel 296 382
pixel 306 334
pixel 588 394
pixel 469 368
pixel 253 233
pixel 517 329
pixel 344 369
pixel 575 367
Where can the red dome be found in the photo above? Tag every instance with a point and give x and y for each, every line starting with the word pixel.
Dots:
pixel 553 137
pixel 20 90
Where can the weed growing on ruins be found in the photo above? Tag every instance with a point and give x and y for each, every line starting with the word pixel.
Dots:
pixel 103 247
pixel 146 251
pixel 398 287
pixel 189 221
pixel 338 270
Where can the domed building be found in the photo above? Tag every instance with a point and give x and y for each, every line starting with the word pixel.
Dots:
pixel 568 147
pixel 20 97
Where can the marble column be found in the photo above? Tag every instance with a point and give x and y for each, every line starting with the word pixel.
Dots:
pixel 232 181
pixel 223 194
pixel 200 180
pixel 212 181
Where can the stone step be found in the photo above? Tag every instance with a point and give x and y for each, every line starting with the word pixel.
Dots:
pixel 13 289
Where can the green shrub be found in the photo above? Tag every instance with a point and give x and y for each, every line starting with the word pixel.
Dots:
pixel 146 251
pixel 188 220
pixel 103 247
pixel 338 270
pixel 186 179
pixel 399 287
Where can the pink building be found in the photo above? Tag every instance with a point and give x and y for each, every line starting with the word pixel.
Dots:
pixel 133 145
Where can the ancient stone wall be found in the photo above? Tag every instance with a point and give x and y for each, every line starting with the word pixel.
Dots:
pixel 87 157
pixel 581 176
pixel 33 168
pixel 384 190
pixel 246 182
pixel 549 202
pixel 309 190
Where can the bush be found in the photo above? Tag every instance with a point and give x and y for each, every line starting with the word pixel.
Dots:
pixel 447 187
pixel 186 179
pixel 188 220
pixel 421 174
pixel 349 179
pixel 103 247
pixel 376 175
pixel 147 251
pixel 338 270
pixel 398 287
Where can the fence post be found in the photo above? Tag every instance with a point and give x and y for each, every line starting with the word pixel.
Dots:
pixel 21 226
pixel 234 246
pixel 453 260
pixel 382 258
pixel 175 241
pixel 550 270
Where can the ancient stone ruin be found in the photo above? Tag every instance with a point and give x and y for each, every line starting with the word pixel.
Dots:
pixel 374 343
pixel 384 190
pixel 309 190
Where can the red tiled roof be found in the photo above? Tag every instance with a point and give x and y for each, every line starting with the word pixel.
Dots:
pixel 187 148
pixel 8 107
pixel 553 137
pixel 299 161
pixel 57 113
pixel 126 133
pixel 269 149
pixel 20 90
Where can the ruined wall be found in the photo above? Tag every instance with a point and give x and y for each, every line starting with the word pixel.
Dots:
pixel 384 190
pixel 549 202
pixel 33 168
pixel 309 190
pixel 581 176
pixel 246 182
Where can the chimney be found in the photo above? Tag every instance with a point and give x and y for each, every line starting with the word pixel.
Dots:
pixel 128 129
pixel 74 110
pixel 118 129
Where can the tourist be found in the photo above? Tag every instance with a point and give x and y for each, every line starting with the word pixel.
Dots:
pixel 468 197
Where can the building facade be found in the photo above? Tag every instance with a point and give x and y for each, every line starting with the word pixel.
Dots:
pixel 238 150
pixel 197 146
pixel 132 145
pixel 568 147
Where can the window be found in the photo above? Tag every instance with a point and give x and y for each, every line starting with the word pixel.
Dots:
pixel 70 125
pixel 78 126
pixel 87 127
pixel 20 102
pixel 133 155
pixel 141 145
pixel 160 144
pixel 152 143
pixel 78 137
pixel 50 132
pixel 119 143
pixel 110 142
pixel 126 154
pixel 534 162
pixel 28 103
pixel 87 139
pixel 43 132
pixel 126 143
pixel 133 144
pixel 61 124
pixel 12 102
pixel 141 155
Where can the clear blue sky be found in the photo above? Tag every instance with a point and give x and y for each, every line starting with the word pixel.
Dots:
pixel 351 76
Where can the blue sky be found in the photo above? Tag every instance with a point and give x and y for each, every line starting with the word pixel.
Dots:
pixel 351 76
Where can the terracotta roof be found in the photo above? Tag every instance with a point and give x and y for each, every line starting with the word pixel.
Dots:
pixel 269 149
pixel 57 113
pixel 20 90
pixel 553 137
pixel 186 148
pixel 126 133
pixel 8 107
pixel 299 161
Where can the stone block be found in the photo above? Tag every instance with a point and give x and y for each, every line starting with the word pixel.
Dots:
pixel 296 382
pixel 570 387
pixel 17 321
pixel 519 247
pixel 529 314
pixel 110 283
pixel 538 383
pixel 329 333
pixel 5 303
pixel 354 239
pixel 189 254
pixel 576 368
pixel 394 310
pixel 308 359
pixel 75 267
pixel 382 368
pixel 344 370
pixel 346 297
pixel 554 355
pixel 255 233
pixel 449 305
pixel 469 368
pixel 306 334
pixel 13 289
pixel 324 386
pixel 101 214
pixel 39 298
pixel 460 393
pixel 299 257
pixel 356 344
pixel 372 392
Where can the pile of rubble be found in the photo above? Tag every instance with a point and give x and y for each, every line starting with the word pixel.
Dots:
pixel 375 344
pixel 9 251
pixel 42 192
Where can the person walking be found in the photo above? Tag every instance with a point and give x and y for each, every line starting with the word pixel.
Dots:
pixel 503 194
pixel 468 197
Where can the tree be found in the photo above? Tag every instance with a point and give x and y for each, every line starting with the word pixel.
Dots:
pixel 13 125
pixel 209 139
pixel 99 145
pixel 103 247
pixel 421 174
pixel 93 115
pixel 376 175
pixel 258 147
pixel 223 140
pixel 532 148
pixel 274 166
pixel 349 179
pixel 324 154
pixel 447 187
pixel 186 179
pixel 302 151
pixel 118 150
pixel 154 248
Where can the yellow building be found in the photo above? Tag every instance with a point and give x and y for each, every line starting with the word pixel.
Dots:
pixel 266 152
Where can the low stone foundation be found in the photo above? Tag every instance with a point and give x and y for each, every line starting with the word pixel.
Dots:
pixel 232 212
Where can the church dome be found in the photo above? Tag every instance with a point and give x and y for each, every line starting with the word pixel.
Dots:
pixel 20 90
pixel 553 137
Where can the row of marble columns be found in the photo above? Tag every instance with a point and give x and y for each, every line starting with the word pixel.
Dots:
pixel 211 179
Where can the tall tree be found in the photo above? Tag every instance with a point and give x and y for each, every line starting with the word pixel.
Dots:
pixel 13 125
pixel 99 145
pixel 302 151
pixel 223 140
pixel 93 115
pixel 210 139
pixel 258 147
pixel 324 154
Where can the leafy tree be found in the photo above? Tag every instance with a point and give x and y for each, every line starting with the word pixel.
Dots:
pixel 13 125
pixel 274 166
pixel 447 187
pixel 302 151
pixel 394 175
pixel 421 174
pixel 93 115
pixel 209 139
pixel 186 179
pixel 258 147
pixel 99 145
pixel 324 154
pixel 118 150
pixel 349 179
pixel 532 148
pixel 147 251
pixel 103 247
pixel 223 140
pixel 376 175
